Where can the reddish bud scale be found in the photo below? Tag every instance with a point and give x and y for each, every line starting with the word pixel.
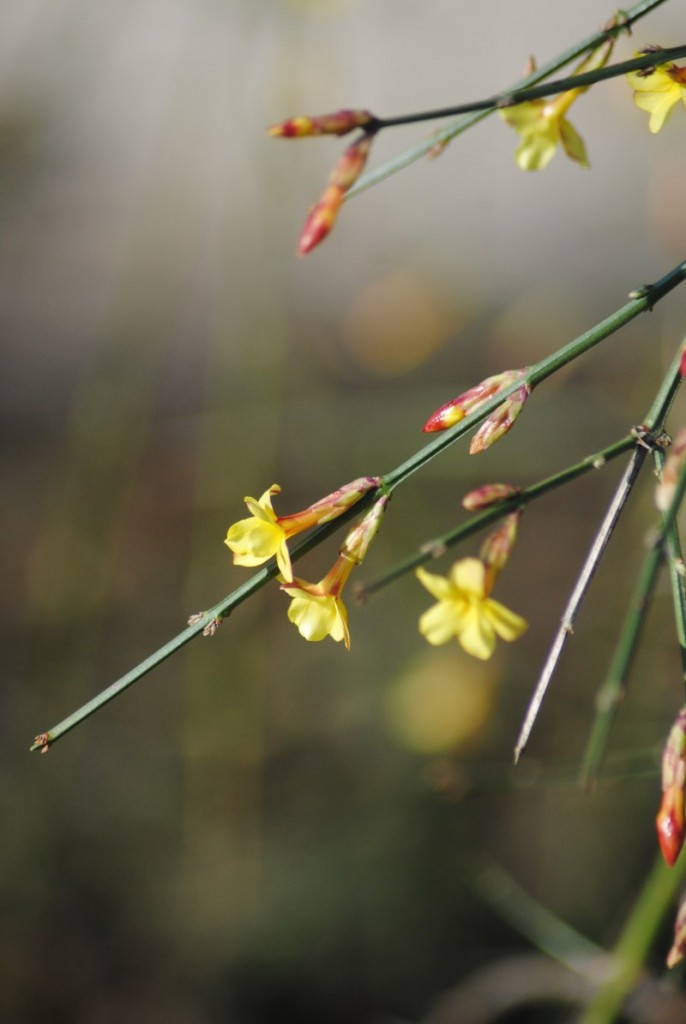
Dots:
pixel 447 416
pixel 670 824
pixel 350 166
pixel 678 950
pixel 487 495
pixel 671 818
pixel 320 220
pixel 322 216
pixel 682 364
pixel 339 123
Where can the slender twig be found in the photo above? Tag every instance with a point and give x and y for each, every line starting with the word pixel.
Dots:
pixel 511 98
pixel 451 131
pixel 654 420
pixel 566 627
pixel 613 689
pixel 641 300
pixel 633 945
pixel 438 545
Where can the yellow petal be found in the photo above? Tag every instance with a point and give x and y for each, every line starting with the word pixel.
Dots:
pixel 535 151
pixel 573 144
pixel 477 634
pixel 440 623
pixel 438 586
pixel 508 625
pixel 659 105
pixel 659 81
pixel 469 576
pixel 253 541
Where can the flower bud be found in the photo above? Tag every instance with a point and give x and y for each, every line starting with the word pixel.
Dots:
pixel 338 123
pixel 469 401
pixel 363 532
pixel 487 495
pixel 664 491
pixel 500 421
pixel 323 214
pixel 497 547
pixel 671 818
pixel 678 950
pixel 320 220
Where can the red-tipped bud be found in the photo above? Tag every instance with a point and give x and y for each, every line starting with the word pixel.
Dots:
pixel 487 495
pixel 500 421
pixel 671 818
pixel 322 216
pixel 339 123
pixel 682 364
pixel 670 824
pixel 664 491
pixel 320 220
pixel 469 401
pixel 678 950
pixel 447 416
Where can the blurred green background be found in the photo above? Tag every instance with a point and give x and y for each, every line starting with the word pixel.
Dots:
pixel 264 829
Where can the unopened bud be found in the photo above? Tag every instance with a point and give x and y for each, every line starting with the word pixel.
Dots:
pixel 671 818
pixel 487 495
pixel 678 950
pixel 363 533
pixel 664 491
pixel 338 123
pixel 497 548
pixel 320 220
pixel 469 401
pixel 345 173
pixel 500 421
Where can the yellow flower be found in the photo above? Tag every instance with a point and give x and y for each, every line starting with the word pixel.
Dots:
pixel 465 610
pixel 255 540
pixel 264 535
pixel 658 91
pixel 543 127
pixel 317 608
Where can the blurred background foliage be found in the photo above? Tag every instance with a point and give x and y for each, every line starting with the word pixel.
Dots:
pixel 264 829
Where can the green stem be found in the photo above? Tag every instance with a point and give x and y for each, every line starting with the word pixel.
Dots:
pixel 451 131
pixel 642 299
pixel 614 687
pixel 654 421
pixel 582 80
pixel 635 941
pixel 438 545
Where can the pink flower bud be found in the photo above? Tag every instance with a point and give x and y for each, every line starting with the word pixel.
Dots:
pixel 500 421
pixel 345 173
pixel 678 950
pixel 487 495
pixel 363 532
pixel 497 548
pixel 469 401
pixel 339 123
pixel 671 818
pixel 664 491
pixel 320 220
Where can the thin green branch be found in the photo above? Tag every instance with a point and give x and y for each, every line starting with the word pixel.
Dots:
pixel 642 299
pixel 613 689
pixel 654 422
pixel 451 131
pixel 512 98
pixel 438 545
pixel 635 941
